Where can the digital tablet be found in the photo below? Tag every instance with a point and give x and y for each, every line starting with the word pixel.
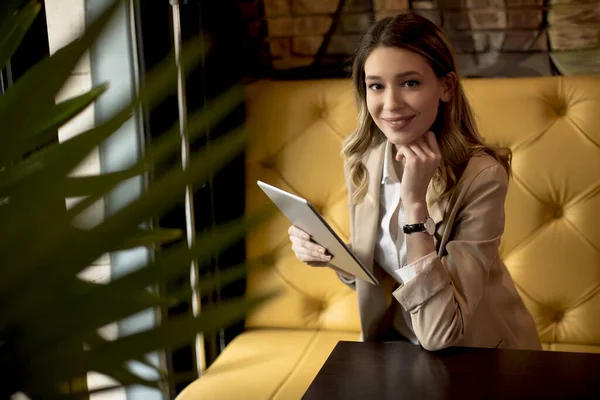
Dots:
pixel 303 215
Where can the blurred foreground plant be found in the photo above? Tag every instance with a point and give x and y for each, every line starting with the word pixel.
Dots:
pixel 49 318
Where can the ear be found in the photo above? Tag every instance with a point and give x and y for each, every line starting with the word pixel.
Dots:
pixel 448 85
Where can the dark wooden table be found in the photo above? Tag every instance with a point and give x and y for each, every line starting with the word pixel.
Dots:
pixel 400 370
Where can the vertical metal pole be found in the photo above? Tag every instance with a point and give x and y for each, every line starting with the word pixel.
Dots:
pixel 189 196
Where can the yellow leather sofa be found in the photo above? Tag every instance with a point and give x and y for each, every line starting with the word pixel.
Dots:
pixel 551 245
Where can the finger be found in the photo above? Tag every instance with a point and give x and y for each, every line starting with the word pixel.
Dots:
pixel 312 246
pixel 432 143
pixel 305 255
pixel 399 154
pixel 416 148
pixel 403 153
pixel 305 247
pixel 409 154
pixel 424 146
pixel 297 232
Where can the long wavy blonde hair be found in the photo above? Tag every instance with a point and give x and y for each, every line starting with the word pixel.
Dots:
pixel 454 127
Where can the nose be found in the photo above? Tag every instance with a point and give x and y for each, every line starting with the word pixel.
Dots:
pixel 393 99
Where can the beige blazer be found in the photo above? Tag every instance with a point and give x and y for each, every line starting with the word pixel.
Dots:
pixel 464 296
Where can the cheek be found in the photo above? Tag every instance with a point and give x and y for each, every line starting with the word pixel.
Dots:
pixel 428 105
pixel 372 105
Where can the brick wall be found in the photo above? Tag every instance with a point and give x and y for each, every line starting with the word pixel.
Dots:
pixel 491 37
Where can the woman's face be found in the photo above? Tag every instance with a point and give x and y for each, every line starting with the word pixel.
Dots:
pixel 403 93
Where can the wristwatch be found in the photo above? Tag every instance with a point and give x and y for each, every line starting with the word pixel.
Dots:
pixel 427 226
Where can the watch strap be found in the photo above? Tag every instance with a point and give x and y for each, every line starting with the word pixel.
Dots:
pixel 413 228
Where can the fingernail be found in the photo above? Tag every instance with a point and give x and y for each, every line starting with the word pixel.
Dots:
pixel 306 237
pixel 322 250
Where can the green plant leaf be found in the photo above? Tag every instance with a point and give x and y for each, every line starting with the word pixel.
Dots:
pixel 39 162
pixel 44 341
pixel 200 122
pixel 155 201
pixel 175 261
pixel 88 246
pixel 70 315
pixel 87 308
pixel 148 237
pixel 172 263
pixel 36 90
pixel 171 334
pixel 175 332
pixel 84 394
pixel 72 322
pixel 125 377
pixel 14 28
pixel 96 185
pixel 44 127
pixel 54 163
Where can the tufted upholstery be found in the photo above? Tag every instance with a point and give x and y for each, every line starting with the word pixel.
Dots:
pixel 551 244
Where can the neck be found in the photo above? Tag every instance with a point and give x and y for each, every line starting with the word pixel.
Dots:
pixel 398 165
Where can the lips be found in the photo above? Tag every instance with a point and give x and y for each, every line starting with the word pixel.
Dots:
pixel 398 122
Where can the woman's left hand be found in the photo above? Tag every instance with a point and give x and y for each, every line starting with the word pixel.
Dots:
pixel 421 160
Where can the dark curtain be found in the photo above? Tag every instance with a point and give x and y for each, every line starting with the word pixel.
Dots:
pixel 222 199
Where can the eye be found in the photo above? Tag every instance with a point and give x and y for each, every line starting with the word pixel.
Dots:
pixel 411 83
pixel 376 86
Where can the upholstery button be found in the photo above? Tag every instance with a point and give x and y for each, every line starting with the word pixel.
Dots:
pixel 267 163
pixel 558 213
pixel 320 307
pixel 560 111
pixel 558 315
pixel 324 114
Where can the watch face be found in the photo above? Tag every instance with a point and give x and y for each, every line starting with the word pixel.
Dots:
pixel 429 226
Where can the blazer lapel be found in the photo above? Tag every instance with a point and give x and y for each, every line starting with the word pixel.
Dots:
pixel 367 211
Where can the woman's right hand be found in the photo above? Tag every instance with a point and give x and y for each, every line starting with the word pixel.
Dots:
pixel 312 253
pixel 306 250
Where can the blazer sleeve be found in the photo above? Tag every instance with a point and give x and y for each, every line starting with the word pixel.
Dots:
pixel 443 296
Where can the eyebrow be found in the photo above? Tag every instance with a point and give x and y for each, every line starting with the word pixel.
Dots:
pixel 400 75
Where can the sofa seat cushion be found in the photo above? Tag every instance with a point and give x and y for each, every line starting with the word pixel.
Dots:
pixel 571 348
pixel 267 364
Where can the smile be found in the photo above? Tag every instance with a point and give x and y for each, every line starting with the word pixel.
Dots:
pixel 398 122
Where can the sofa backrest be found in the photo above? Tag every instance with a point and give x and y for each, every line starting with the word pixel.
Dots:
pixel 551 244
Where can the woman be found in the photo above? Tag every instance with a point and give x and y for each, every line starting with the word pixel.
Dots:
pixel 426 201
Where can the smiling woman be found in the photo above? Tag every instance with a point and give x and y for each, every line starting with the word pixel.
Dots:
pixel 411 53
pixel 403 93
pixel 426 200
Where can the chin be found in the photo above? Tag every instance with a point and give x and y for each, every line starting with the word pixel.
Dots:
pixel 402 138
